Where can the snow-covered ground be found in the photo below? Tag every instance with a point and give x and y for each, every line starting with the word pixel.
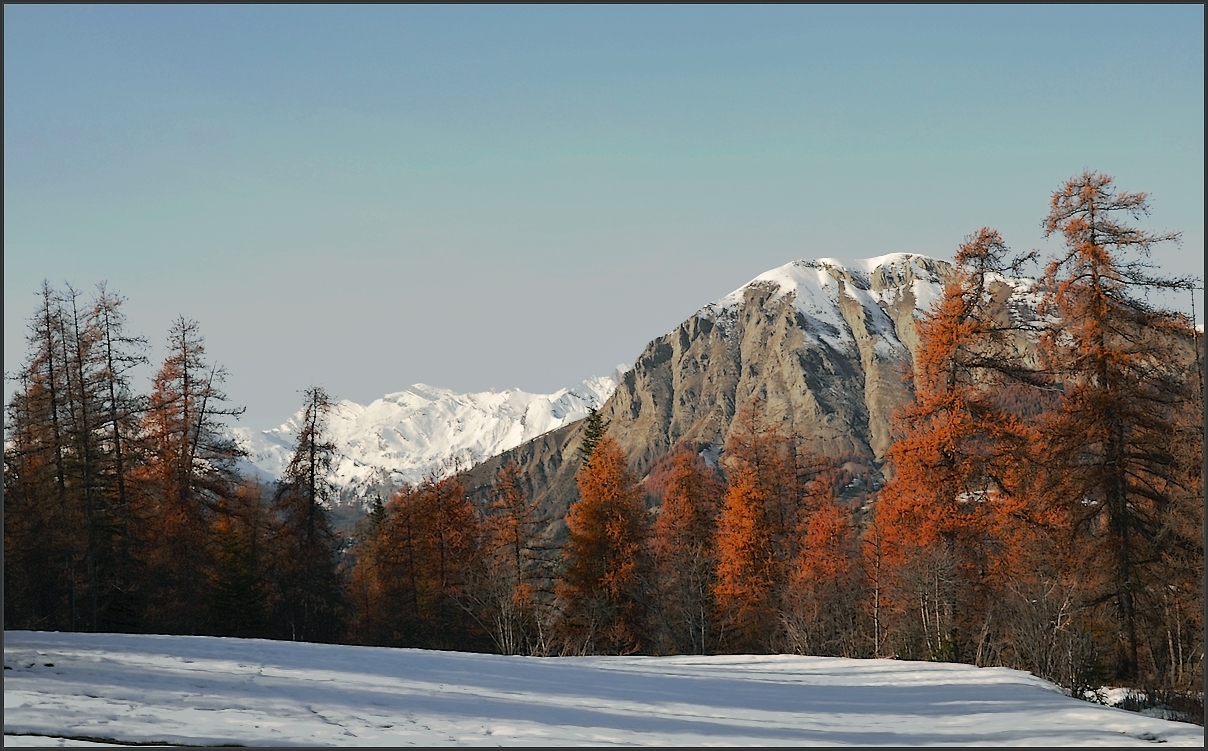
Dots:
pixel 208 691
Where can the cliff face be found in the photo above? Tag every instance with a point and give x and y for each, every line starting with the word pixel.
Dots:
pixel 826 346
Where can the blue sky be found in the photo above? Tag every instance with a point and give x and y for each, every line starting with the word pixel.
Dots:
pixel 477 197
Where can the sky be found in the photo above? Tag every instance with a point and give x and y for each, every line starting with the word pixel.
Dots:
pixel 522 197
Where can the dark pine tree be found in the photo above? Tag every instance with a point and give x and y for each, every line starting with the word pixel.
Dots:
pixel 594 427
pixel 310 594
pixel 187 473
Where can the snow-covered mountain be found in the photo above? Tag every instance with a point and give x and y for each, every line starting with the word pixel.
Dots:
pixel 824 342
pixel 823 346
pixel 406 436
pixel 816 289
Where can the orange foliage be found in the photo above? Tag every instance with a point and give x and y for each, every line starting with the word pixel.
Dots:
pixel 762 446
pixel 605 572
pixel 684 538
pixel 509 588
pixel 746 564
pixel 757 531
pixel 952 462
pixel 691 501
pixel 1118 475
pixel 412 575
pixel 820 609
pixel 826 555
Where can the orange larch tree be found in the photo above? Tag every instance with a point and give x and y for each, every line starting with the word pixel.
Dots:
pixel 1123 367
pixel 414 571
pixel 189 468
pixel 747 569
pixel 823 597
pixel 952 462
pixel 756 532
pixel 509 588
pixel 684 547
pixel 604 588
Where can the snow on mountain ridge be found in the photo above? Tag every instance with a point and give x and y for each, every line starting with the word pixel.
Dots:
pixel 407 435
pixel 816 285
pixel 817 281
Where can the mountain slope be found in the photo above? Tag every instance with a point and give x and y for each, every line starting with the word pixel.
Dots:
pixel 825 345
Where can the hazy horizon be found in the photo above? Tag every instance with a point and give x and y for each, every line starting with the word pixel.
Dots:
pixel 522 197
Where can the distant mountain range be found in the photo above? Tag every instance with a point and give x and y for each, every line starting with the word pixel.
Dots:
pixel 423 430
pixel 824 345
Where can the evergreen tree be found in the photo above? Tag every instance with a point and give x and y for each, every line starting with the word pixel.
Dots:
pixel 594 428
pixel 310 591
pixel 244 533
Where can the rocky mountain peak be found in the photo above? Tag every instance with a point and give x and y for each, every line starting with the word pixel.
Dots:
pixel 824 345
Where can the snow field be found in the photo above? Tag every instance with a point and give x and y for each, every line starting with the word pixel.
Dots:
pixel 208 691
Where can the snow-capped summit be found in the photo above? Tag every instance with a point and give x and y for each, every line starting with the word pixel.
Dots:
pixel 816 287
pixel 422 430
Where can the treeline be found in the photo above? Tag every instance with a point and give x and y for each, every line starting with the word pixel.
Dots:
pixel 1046 510
pixel 123 511
pixel 1043 510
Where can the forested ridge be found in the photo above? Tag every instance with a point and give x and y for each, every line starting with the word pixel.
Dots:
pixel 1043 510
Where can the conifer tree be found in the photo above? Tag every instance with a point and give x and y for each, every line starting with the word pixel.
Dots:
pixel 685 555
pixel 756 532
pixel 120 408
pixel 821 606
pixel 411 583
pixel 1117 358
pixel 310 591
pixel 79 337
pixel 509 588
pixel 242 596
pixel 189 468
pixel 41 528
pixel 605 579
pixel 952 458
pixel 747 570
pixel 60 466
pixel 594 427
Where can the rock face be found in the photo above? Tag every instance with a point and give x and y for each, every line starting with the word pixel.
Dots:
pixel 825 345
